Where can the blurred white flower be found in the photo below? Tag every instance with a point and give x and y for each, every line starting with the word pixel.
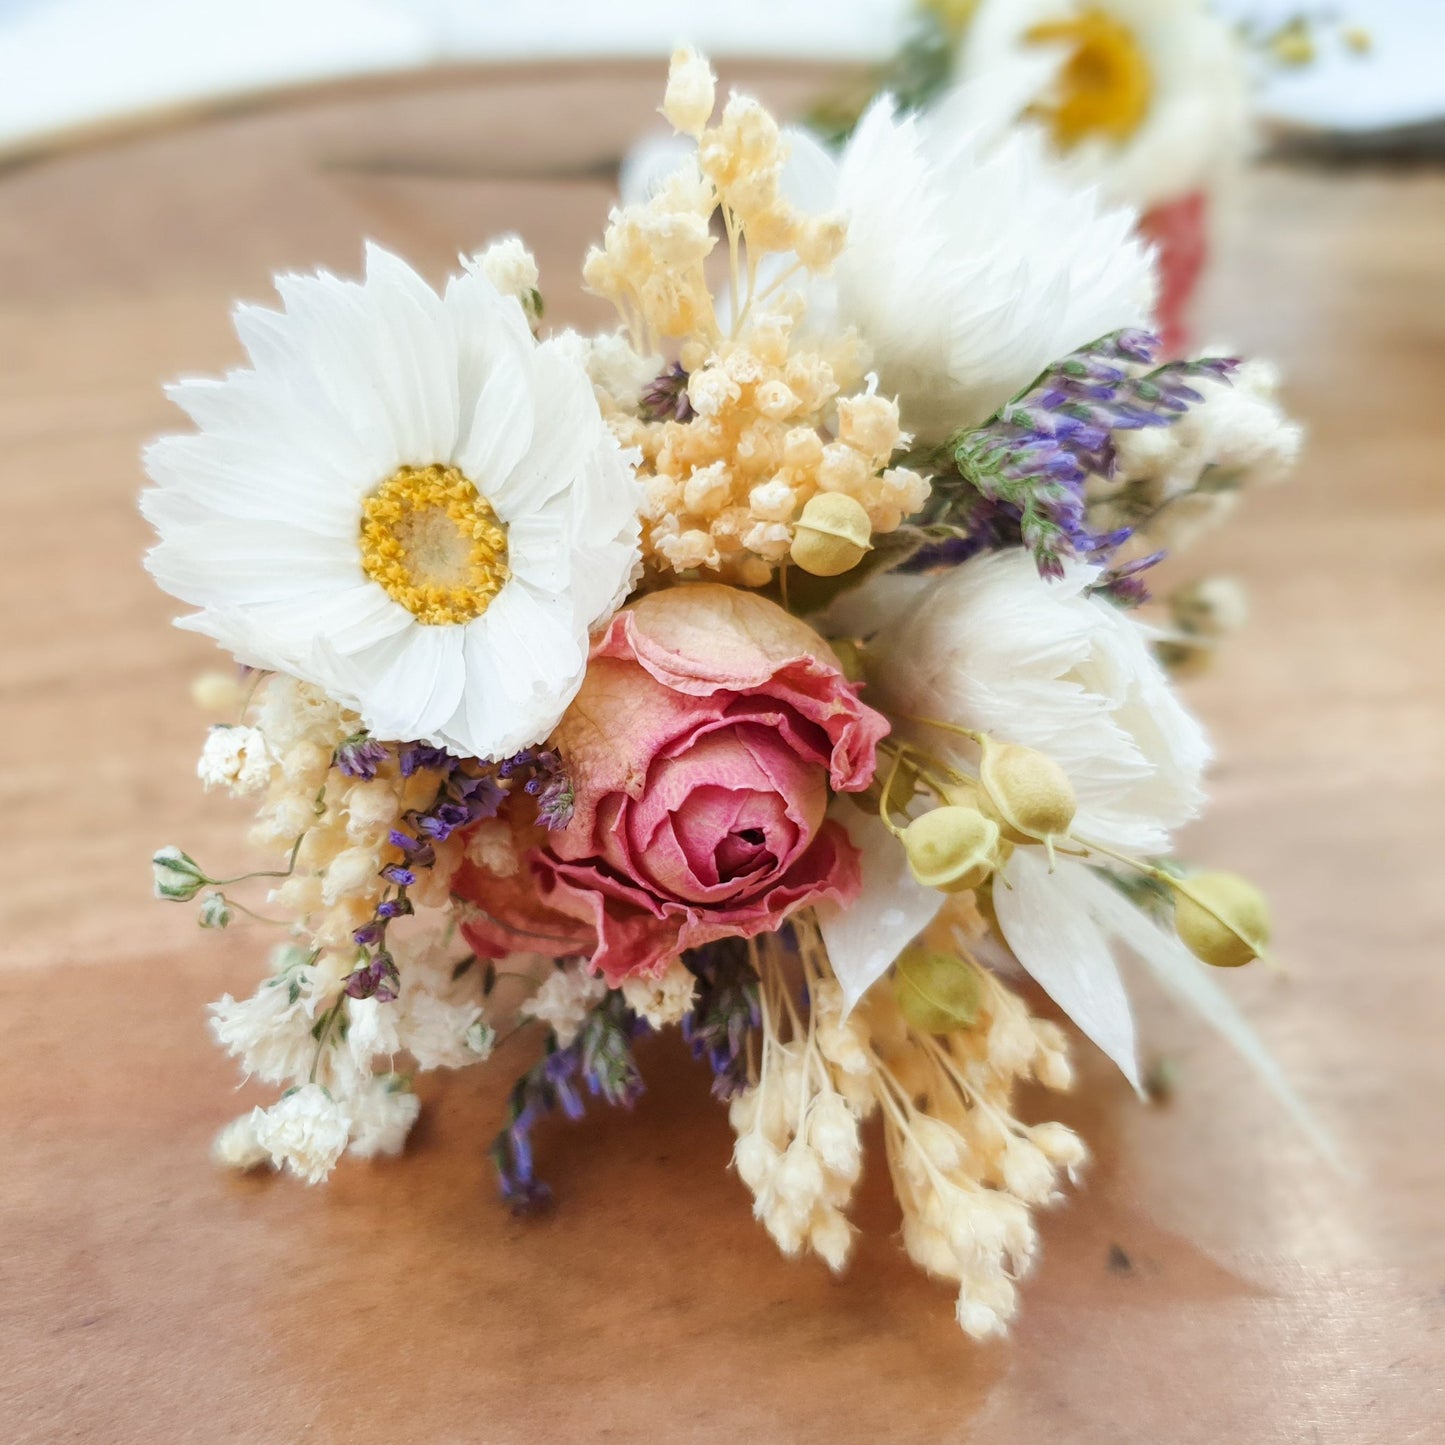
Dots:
pixel 235 758
pixel 382 1113
pixel 1146 99
pixel 305 1131
pixel 564 999
pixel 405 500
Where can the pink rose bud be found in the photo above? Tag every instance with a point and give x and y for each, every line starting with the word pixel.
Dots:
pixel 702 747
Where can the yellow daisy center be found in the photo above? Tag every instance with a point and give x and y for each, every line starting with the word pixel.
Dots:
pixel 1105 85
pixel 434 543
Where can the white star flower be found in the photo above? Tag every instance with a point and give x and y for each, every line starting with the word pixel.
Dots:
pixel 969 266
pixel 405 500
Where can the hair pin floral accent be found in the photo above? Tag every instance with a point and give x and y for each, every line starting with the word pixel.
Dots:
pixel 763 668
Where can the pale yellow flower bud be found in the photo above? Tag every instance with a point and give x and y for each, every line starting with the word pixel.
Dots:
pixel 775 399
pixel 819 241
pixel 1222 919
pixel 802 448
pixel 218 692
pixel 773 501
pixel 707 489
pixel 869 423
pixel 1027 792
pixel 842 469
pixel 691 92
pixel 952 848
pixel 832 535
pixel 352 871
pixel 711 391
pixel 937 992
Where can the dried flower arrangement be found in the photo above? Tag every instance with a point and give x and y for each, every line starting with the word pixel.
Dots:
pixel 765 668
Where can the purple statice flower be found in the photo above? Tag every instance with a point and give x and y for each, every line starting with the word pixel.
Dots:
pixel 724 1012
pixel 377 978
pixel 667 397
pixel 360 755
pixel 416 756
pixel 396 873
pixel 546 779
pixel 1125 584
pixel 1020 478
pixel 598 1061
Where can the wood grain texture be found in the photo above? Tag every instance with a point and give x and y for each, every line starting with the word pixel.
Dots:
pixel 1209 1282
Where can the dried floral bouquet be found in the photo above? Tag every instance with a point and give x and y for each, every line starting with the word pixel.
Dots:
pixel 765 667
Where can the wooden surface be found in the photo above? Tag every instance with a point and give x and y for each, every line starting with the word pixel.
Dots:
pixel 1210 1282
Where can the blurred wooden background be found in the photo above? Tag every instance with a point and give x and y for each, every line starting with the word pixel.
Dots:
pixel 1210 1281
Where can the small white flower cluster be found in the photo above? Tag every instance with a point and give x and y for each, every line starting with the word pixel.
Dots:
pixel 300 1029
pixel 512 269
pixel 237 759
pixel 798 1147
pixel 1173 484
pixel 284 1034
pixel 965 1171
pixel 764 413
pixel 564 999
pixel 664 1000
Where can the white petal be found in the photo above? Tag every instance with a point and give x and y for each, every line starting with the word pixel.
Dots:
pixel 347 621
pixel 1046 922
pixel 567 433
pixel 418 686
pixel 230 563
pixel 251 479
pixel 524 662
pixel 864 937
pixel 502 421
pixel 489 327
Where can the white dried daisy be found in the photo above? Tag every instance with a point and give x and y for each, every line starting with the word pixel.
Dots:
pixel 405 500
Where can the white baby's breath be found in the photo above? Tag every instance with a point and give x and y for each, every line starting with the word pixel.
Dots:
pixel 382 1114
pixel 664 1000
pixel 564 999
pixel 306 1131
pixel 235 758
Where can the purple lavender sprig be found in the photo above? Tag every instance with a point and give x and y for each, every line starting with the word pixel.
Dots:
pixel 360 755
pixel 1020 478
pixel 725 1010
pixel 546 779
pixel 467 793
pixel 600 1061
pixel 667 397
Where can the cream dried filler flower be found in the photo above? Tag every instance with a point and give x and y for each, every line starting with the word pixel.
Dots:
pixel 898 393
pixel 405 500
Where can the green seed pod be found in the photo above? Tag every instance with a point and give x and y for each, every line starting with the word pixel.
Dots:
pixel 1027 792
pixel 951 848
pixel 1226 921
pixel 850 657
pixel 832 535
pixel 937 992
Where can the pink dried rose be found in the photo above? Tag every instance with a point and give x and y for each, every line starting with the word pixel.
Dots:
pixel 702 747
